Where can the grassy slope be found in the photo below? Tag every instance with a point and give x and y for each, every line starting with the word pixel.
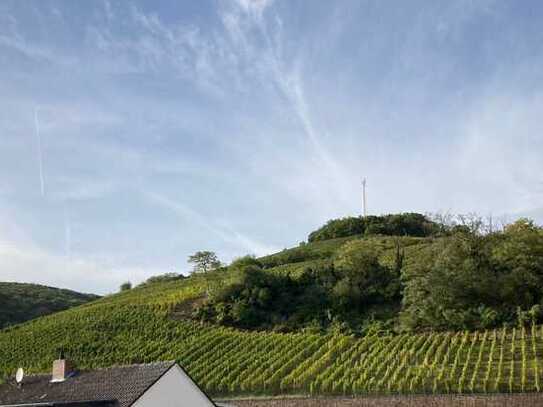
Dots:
pixel 136 326
pixel 22 302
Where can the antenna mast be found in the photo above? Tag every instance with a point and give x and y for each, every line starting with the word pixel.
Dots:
pixel 364 208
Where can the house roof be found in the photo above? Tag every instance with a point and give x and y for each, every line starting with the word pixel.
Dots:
pixel 116 386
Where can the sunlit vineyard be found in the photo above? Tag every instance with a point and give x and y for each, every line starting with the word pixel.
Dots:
pixel 136 326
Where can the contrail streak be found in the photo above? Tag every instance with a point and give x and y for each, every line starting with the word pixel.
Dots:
pixel 40 159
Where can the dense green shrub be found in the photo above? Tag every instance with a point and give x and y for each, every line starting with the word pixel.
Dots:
pixel 341 291
pixel 473 280
pixel 360 277
pixel 403 224
pixel 257 299
pixel 161 278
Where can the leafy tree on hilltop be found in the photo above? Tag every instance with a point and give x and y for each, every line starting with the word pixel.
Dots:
pixel 402 224
pixel 204 261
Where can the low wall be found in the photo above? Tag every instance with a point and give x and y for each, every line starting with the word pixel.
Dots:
pixel 491 400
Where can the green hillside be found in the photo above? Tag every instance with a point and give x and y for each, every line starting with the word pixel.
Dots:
pixel 136 326
pixel 21 302
pixel 378 353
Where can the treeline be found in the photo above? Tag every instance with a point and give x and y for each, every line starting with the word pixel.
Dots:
pixel 403 224
pixel 343 294
pixel 476 279
pixel 464 276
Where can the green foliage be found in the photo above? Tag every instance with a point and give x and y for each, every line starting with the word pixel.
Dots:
pixel 162 278
pixel 361 278
pixel 344 291
pixel 125 286
pixel 258 300
pixel 204 261
pixel 472 280
pixel 242 262
pixel 335 304
pixel 136 326
pixel 21 302
pixel 518 258
pixel 338 228
pixel 313 251
pixel 403 224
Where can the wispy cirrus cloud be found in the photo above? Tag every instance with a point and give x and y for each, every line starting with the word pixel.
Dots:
pixel 21 259
pixel 260 42
pixel 14 40
pixel 240 125
pixel 227 234
pixel 501 138
pixel 254 7
pixel 154 46
pixel 32 264
pixel 40 152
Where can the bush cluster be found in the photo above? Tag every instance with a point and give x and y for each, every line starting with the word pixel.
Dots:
pixel 403 224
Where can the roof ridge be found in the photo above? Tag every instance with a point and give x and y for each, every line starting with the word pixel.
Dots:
pixel 170 362
pixel 164 362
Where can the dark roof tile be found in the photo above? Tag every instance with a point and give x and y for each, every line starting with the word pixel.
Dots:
pixel 123 384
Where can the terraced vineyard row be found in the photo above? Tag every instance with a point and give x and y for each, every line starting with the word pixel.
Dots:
pixel 137 327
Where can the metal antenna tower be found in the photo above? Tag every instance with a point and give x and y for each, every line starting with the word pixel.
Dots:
pixel 364 206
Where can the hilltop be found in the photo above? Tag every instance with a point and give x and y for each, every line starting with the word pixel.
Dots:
pixel 21 302
pixel 412 324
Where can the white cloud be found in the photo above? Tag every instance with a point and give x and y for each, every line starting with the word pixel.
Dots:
pixel 254 115
pixel 154 46
pixel 499 156
pixel 315 175
pixel 224 232
pixel 31 264
pixel 72 188
pixel 18 43
pixel 12 38
pixel 22 260
pixel 254 7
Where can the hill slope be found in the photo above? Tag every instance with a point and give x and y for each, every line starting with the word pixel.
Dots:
pixel 136 326
pixel 142 325
pixel 456 278
pixel 22 302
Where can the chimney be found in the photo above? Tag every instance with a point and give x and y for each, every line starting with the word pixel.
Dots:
pixel 62 369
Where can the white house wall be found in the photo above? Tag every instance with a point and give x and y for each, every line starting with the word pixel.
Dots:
pixel 174 389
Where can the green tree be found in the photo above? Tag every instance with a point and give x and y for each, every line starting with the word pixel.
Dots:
pixel 476 278
pixel 163 278
pixel 125 286
pixel 519 256
pixel 361 279
pixel 241 262
pixel 204 261
pixel 447 285
pixel 402 224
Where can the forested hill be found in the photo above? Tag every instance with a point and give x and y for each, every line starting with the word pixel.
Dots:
pixel 389 304
pixel 22 302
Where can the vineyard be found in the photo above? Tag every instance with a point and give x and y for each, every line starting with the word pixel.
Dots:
pixel 153 322
pixel 136 326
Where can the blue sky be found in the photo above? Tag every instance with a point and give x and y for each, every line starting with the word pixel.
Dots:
pixel 135 133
